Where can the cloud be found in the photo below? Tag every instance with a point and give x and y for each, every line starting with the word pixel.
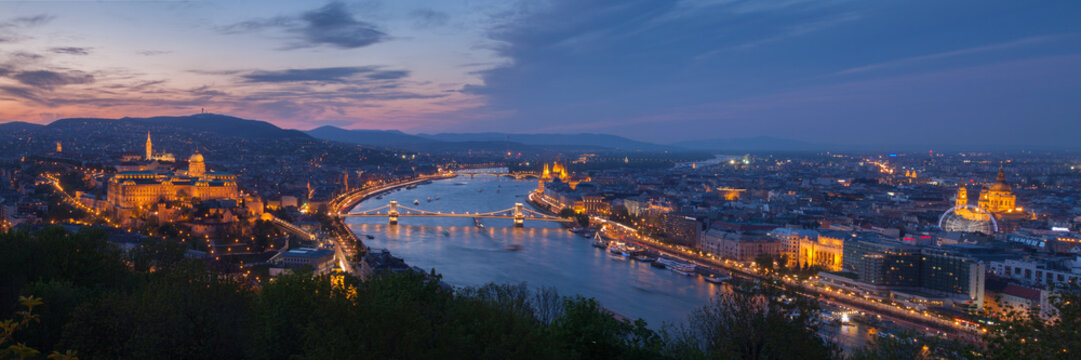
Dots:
pixel 48 80
pixel 22 93
pixel 332 25
pixel 954 53
pixel 152 52
pixel 71 50
pixel 258 25
pixel 28 21
pixel 428 18
pixel 332 74
pixel 388 75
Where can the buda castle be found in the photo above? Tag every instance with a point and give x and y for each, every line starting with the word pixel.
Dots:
pixel 137 189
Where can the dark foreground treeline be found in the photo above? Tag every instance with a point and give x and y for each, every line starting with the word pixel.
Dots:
pixel 98 303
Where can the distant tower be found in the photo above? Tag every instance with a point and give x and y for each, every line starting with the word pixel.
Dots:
pixel 196 165
pixel 345 180
pixel 58 147
pixel 149 146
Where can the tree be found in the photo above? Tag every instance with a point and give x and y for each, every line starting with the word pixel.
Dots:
pixel 24 319
pixel 764 261
pixel 1040 333
pixel 587 331
pixel 753 322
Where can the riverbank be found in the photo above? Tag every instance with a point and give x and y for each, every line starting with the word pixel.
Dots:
pixel 342 205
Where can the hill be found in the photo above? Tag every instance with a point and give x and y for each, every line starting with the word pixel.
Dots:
pixel 760 143
pixel 583 140
pixel 382 138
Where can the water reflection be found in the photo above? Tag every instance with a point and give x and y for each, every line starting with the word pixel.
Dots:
pixel 543 253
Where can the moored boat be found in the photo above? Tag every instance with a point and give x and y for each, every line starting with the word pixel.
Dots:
pixel 678 267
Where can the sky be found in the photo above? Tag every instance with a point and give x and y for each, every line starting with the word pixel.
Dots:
pixel 987 72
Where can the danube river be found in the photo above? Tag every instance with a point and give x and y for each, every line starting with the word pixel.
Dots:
pixel 543 254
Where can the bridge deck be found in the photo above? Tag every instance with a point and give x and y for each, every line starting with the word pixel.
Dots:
pixel 555 219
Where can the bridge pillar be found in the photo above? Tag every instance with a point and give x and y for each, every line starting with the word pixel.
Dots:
pixel 519 215
pixel 393 213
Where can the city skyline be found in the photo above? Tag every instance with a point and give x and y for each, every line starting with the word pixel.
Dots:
pixel 836 72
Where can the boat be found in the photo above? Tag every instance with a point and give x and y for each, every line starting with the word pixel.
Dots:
pixel 446 233
pixel 411 187
pixel 657 264
pixel 429 199
pixel 369 237
pixel 380 197
pixel 437 197
pixel 416 202
pixel 717 279
pixel 513 247
pixel 476 221
pixel 644 257
pixel 678 267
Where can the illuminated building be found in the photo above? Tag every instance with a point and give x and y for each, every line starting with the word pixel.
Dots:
pixel 998 198
pixel 560 173
pixel 995 200
pixel 196 165
pixel 806 248
pixel 136 189
pixel 150 152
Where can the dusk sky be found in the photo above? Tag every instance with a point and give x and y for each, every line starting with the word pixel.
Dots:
pixel 825 71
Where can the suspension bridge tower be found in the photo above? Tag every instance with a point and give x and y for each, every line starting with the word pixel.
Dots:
pixel 393 213
pixel 519 215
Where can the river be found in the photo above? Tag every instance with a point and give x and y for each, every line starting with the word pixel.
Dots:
pixel 545 254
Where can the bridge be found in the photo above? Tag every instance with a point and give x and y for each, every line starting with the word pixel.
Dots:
pixel 519 213
pixel 517 175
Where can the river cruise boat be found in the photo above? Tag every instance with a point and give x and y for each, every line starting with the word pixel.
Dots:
pixel 678 267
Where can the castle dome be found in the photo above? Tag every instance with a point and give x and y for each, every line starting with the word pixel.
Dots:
pixel 197 157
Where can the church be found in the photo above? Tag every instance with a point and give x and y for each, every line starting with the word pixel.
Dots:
pixel 997 199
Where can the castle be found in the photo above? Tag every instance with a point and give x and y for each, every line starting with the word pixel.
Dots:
pixel 137 189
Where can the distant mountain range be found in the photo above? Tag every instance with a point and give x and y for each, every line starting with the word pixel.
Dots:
pixel 223 126
pixel 760 143
pixel 488 141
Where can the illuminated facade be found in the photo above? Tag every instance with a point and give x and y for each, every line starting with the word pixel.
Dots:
pixel 806 248
pixel 995 200
pixel 150 152
pixel 128 190
pixel 998 198
pixel 559 172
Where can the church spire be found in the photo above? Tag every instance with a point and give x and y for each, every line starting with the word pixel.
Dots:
pixel 149 146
